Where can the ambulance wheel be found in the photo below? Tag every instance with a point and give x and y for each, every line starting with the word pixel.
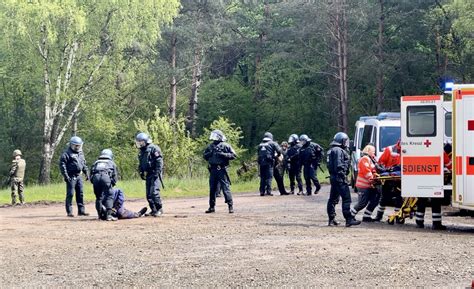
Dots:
pixel 390 221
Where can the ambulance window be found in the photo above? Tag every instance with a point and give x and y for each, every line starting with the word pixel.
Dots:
pixel 366 136
pixel 421 120
pixel 389 135
pixel 447 124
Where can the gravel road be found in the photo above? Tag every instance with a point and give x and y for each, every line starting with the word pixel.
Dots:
pixel 269 242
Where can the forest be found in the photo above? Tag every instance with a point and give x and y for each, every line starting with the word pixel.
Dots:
pixel 106 70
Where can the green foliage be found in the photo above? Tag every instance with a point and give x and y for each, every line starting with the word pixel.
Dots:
pixel 266 66
pixel 177 147
pixel 232 132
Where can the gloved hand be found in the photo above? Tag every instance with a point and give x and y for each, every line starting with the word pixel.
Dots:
pixel 224 155
pixel 142 175
pixel 67 179
pixel 87 177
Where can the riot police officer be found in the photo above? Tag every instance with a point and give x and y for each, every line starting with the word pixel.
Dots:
pixel 293 164
pixel 104 176
pixel 218 154
pixel 268 150
pixel 150 168
pixel 310 155
pixel 338 166
pixel 71 164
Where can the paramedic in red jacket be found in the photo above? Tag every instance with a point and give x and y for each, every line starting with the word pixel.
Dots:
pixel 390 160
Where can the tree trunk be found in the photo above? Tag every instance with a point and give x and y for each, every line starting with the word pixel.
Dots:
pixel 193 98
pixel 59 113
pixel 173 86
pixel 257 96
pixel 379 86
pixel 338 30
pixel 45 165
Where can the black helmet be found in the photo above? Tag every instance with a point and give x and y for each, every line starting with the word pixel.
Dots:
pixel 267 136
pixel 304 139
pixel 217 135
pixel 293 138
pixel 340 139
pixel 75 143
pixel 142 139
pixel 106 154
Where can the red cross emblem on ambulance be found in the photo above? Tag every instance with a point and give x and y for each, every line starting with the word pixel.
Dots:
pixel 427 143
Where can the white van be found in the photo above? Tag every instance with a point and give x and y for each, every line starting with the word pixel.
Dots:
pixel 355 145
pixel 381 131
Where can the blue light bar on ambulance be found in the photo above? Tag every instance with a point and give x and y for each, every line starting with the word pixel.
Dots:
pixel 448 86
pixel 364 118
pixel 388 115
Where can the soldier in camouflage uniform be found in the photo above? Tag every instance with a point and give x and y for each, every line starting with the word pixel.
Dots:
pixel 17 174
pixel 279 170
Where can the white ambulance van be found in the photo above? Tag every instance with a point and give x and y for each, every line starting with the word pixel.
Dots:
pixel 428 122
pixel 382 130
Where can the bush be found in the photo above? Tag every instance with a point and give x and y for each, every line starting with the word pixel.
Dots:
pixel 177 146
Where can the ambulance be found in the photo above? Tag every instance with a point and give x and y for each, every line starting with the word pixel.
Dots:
pixel 428 122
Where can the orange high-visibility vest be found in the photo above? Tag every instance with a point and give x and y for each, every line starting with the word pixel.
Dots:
pixel 366 173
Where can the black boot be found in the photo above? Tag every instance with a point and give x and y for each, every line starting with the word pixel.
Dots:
pixel 318 188
pixel 142 211
pixel 438 226
pixel 210 210
pixel 352 222
pixel 284 193
pixel 110 217
pixel 420 224
pixel 333 222
pixel 231 209
pixel 367 219
pixel 157 213
pixel 379 216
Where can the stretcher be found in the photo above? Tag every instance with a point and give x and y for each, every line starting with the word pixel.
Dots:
pixel 408 207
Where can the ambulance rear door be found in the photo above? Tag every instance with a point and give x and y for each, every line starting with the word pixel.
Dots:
pixel 422 135
pixel 463 139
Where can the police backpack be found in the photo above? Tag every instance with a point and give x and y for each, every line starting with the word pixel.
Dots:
pixel 265 154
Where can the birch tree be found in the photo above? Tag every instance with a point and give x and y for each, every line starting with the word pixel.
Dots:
pixel 73 40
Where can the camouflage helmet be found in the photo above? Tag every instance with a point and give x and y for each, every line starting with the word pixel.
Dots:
pixel 16 153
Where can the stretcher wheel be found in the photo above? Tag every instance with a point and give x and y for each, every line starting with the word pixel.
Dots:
pixel 391 221
pixel 400 221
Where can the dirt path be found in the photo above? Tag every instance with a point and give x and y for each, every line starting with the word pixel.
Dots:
pixel 269 241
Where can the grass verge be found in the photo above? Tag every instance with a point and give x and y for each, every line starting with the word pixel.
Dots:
pixel 174 188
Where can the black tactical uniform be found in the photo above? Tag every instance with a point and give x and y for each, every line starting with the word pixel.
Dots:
pixel 150 167
pixel 72 164
pixel 310 156
pixel 218 154
pixel 268 150
pixel 338 166
pixel 294 165
pixel 104 176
